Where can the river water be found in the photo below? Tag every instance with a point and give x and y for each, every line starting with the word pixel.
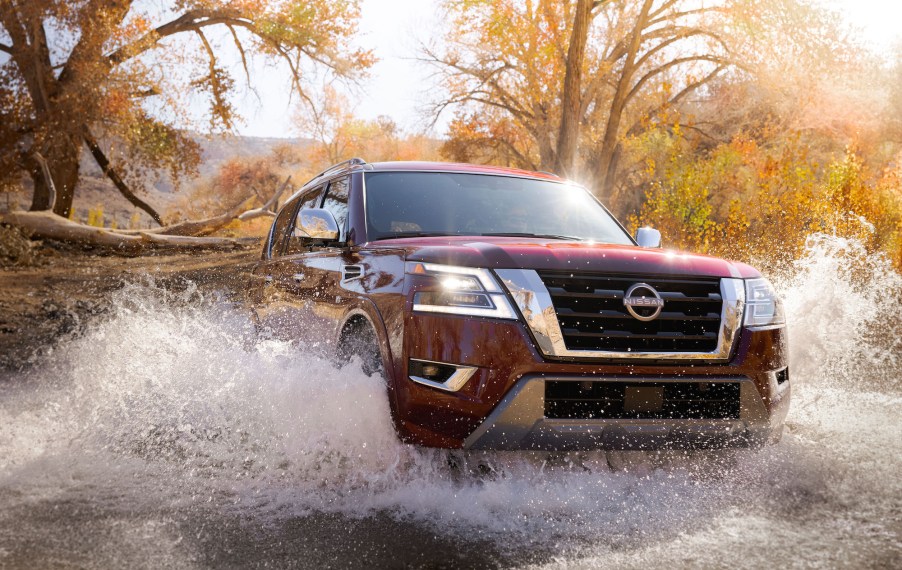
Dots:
pixel 166 436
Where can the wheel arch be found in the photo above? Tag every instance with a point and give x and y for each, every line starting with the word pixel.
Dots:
pixel 369 316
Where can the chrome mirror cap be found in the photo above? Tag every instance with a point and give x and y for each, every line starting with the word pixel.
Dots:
pixel 317 223
pixel 648 237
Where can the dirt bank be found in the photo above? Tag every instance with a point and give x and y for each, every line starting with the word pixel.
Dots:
pixel 52 289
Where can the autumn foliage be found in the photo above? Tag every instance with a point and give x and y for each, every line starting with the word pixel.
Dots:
pixel 737 128
pixel 123 79
pixel 762 203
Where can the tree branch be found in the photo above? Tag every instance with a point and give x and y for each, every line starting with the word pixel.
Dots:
pixel 220 105
pixel 664 6
pixel 685 91
pixel 269 208
pixel 95 31
pixel 519 156
pixel 48 225
pixel 679 33
pixel 484 77
pixel 696 84
pixel 6 48
pixel 187 21
pixel 104 163
pixel 240 47
pixel 678 15
pixel 672 63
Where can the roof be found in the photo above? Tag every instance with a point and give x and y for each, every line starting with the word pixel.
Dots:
pixel 461 167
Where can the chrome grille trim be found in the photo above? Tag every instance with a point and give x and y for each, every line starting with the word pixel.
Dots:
pixel 534 301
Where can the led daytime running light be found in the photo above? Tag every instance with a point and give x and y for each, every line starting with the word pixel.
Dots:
pixel 470 291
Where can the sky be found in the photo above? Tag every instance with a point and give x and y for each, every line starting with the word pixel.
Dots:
pixel 399 86
pixel 880 20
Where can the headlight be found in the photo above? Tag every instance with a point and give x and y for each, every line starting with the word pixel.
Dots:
pixel 460 291
pixel 762 305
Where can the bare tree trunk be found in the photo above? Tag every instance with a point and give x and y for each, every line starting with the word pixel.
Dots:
pixel 63 162
pixel 606 163
pixel 568 137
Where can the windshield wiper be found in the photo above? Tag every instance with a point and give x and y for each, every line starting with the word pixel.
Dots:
pixel 532 235
pixel 397 235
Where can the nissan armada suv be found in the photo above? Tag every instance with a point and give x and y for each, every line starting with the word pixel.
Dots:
pixel 509 310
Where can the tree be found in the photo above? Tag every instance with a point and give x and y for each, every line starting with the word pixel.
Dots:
pixel 338 134
pixel 569 80
pixel 106 75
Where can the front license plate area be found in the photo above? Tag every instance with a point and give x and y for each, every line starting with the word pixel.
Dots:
pixel 637 399
pixel 607 399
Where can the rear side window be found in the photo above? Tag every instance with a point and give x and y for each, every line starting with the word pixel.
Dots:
pixel 337 203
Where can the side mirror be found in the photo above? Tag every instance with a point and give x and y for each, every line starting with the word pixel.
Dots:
pixel 648 237
pixel 317 223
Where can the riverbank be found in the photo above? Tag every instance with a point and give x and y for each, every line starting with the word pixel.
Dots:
pixel 50 289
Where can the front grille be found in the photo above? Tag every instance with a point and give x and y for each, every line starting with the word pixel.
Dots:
pixel 592 315
pixel 646 400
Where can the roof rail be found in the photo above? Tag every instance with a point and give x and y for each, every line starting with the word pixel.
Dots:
pixel 339 167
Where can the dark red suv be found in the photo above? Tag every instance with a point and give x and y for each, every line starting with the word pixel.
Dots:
pixel 509 310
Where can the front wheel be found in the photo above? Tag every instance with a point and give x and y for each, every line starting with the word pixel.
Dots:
pixel 359 339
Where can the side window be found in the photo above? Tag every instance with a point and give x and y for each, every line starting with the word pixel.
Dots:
pixel 337 203
pixel 279 231
pixel 296 243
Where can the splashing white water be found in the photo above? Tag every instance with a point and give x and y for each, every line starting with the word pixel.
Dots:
pixel 845 315
pixel 170 402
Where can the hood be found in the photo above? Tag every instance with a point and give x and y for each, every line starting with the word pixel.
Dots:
pixel 551 254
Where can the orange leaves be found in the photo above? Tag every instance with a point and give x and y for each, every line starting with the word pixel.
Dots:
pixel 116 103
pixel 131 30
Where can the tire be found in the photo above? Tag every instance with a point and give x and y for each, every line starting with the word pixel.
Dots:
pixel 359 339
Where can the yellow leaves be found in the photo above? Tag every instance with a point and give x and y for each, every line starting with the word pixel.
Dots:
pixel 773 199
pixel 116 102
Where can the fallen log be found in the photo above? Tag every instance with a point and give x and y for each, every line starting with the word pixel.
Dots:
pixel 200 227
pixel 47 225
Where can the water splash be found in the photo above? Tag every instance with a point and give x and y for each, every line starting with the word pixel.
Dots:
pixel 845 315
pixel 170 401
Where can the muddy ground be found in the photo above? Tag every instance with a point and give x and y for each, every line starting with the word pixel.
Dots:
pixel 49 289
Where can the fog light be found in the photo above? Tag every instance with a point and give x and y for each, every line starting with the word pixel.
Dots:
pixel 448 377
pixel 432 371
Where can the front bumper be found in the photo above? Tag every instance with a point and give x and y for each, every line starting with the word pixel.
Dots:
pixel 502 405
pixel 519 422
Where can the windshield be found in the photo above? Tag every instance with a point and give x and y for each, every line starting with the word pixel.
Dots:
pixel 402 204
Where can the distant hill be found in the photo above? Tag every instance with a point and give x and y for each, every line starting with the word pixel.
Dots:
pixel 95 189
